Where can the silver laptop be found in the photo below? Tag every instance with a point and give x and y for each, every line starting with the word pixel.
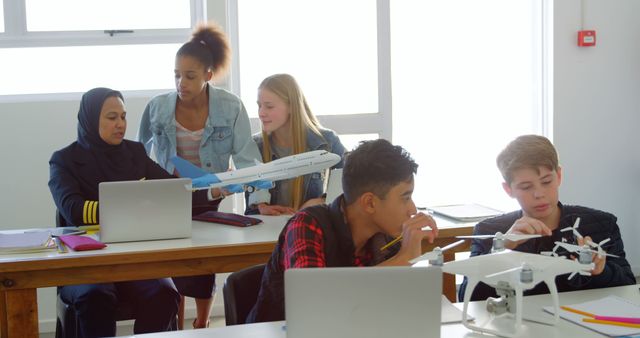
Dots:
pixel 384 302
pixel 334 185
pixel 145 210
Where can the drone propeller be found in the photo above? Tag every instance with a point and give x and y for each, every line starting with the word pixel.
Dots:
pixel 436 254
pixel 601 251
pixel 574 228
pixel 574 247
pixel 499 235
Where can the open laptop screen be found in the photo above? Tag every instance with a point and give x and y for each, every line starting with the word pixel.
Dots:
pixel 383 302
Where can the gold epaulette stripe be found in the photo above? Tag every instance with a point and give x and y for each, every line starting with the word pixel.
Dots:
pixel 90 212
pixel 85 212
pixel 95 212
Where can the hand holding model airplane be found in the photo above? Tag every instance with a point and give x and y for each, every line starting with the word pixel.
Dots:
pixel 260 176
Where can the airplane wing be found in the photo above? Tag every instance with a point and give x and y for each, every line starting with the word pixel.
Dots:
pixel 200 179
pixel 187 169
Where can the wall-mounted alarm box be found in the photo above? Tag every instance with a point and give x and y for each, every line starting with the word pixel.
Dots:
pixel 586 38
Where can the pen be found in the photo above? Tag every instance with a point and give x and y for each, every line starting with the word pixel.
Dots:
pixel 566 308
pixel 89 227
pixel 630 320
pixel 399 238
pixel 393 242
pixel 609 322
pixel 61 247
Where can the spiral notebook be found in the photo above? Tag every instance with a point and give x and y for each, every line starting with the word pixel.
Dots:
pixel 607 306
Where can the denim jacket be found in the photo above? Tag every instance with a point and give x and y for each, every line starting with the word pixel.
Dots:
pixel 313 184
pixel 227 132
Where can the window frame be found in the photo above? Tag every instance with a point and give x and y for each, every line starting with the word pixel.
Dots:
pixel 16 34
pixel 375 123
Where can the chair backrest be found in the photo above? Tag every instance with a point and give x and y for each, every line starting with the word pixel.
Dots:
pixel 240 292
pixel 60 221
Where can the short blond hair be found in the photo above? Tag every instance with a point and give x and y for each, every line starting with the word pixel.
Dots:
pixel 527 152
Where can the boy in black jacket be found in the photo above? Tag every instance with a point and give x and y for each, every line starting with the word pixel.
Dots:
pixel 532 175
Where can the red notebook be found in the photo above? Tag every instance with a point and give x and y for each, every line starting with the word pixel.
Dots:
pixel 81 243
pixel 227 218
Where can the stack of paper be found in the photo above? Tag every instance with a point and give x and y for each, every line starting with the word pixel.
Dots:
pixel 26 242
pixel 607 306
pixel 465 212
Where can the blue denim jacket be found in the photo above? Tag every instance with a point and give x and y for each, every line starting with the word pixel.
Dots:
pixel 227 132
pixel 313 183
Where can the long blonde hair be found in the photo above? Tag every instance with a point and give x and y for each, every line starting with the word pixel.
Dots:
pixel 301 119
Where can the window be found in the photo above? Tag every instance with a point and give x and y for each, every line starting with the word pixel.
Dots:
pixel 78 69
pixel 128 45
pixel 469 71
pixel 1 17
pixel 329 46
pixel 112 14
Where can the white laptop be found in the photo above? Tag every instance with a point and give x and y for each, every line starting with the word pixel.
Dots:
pixel 145 210
pixel 334 185
pixel 384 302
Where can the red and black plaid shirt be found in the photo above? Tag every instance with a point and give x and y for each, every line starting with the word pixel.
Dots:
pixel 304 245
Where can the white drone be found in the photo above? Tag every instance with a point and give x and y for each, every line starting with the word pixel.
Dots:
pixel 511 273
pixel 435 257
pixel 584 252
pixel 499 238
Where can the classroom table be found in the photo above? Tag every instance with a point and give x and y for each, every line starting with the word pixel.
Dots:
pixel 533 309
pixel 213 248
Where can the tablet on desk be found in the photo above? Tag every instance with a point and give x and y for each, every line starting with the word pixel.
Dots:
pixel 465 212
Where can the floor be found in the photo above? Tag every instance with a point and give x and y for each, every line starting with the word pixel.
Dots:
pixel 127 330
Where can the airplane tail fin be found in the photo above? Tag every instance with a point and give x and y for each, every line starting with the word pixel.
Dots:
pixel 186 168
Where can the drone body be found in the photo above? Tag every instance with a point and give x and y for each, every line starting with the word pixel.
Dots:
pixel 511 273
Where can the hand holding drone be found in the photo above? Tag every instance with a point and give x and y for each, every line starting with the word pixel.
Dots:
pixel 583 249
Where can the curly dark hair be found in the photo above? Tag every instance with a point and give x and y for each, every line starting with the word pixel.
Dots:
pixel 210 46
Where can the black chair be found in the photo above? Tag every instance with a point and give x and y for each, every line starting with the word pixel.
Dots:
pixel 66 319
pixel 67 322
pixel 240 292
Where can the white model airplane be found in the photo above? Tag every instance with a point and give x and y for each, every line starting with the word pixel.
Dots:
pixel 510 273
pixel 260 176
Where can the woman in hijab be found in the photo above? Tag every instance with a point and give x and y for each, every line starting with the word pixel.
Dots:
pixel 101 154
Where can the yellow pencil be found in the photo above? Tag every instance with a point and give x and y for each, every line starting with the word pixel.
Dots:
pixel 386 246
pixel 566 308
pixel 609 322
pixel 89 227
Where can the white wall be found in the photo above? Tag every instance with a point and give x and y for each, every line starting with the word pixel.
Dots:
pixel 596 114
pixel 597 111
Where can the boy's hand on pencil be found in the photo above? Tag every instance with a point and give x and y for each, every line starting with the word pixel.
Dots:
pixel 526 226
pixel 599 262
pixel 413 234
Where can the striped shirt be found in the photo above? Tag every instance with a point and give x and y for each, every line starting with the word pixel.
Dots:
pixel 188 144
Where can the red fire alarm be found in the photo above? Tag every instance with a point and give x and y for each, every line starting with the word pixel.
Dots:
pixel 586 38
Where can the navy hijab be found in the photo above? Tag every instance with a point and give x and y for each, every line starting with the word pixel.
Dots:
pixel 115 161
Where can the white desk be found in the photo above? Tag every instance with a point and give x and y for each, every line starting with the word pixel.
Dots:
pixel 533 307
pixel 212 248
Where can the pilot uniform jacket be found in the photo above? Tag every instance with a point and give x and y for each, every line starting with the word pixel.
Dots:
pixel 313 184
pixel 338 250
pixel 598 225
pixel 75 175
